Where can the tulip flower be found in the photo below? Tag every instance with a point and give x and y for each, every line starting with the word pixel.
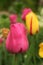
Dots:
pixel 41 50
pixel 31 21
pixel 16 41
pixel 5 32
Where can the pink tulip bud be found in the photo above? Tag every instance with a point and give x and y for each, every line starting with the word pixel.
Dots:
pixel 13 18
pixel 25 12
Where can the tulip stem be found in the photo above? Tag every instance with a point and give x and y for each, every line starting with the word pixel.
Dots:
pixel 19 59
pixel 34 60
pixel 34 50
pixel 16 63
pixel 13 60
pixel 31 52
pixel 0 56
pixel 22 58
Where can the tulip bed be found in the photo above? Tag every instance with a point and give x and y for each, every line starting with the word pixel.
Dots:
pixel 31 57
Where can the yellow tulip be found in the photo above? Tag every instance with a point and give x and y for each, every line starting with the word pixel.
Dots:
pixel 31 20
pixel 41 50
pixel 32 23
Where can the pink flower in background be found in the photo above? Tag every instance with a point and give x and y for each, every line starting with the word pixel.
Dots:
pixel 25 12
pixel 17 41
pixel 13 18
pixel 1 40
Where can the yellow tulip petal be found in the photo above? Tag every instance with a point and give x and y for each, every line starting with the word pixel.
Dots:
pixel 35 24
pixel 28 19
pixel 40 53
pixel 41 44
pixel 41 49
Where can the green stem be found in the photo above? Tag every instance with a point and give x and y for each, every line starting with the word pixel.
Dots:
pixel 16 59
pixel 34 60
pixel 0 56
pixel 30 52
pixel 34 54
pixel 3 54
pixel 23 58
pixel 13 59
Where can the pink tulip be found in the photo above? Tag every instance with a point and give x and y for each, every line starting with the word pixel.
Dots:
pixel 25 12
pixel 16 41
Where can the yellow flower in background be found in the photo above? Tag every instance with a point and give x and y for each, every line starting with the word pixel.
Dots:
pixel 32 23
pixel 41 53
pixel 41 50
pixel 5 32
pixel 41 45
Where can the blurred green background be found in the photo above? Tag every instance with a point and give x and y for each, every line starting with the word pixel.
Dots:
pixel 15 6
